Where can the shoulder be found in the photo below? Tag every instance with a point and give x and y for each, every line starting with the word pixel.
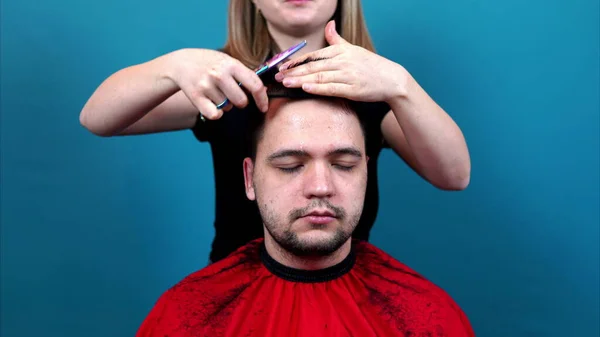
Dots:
pixel 235 265
pixel 205 296
pixel 397 274
pixel 231 272
pixel 372 111
pixel 408 294
pixel 375 262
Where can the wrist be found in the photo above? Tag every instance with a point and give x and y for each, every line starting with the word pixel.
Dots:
pixel 166 67
pixel 402 82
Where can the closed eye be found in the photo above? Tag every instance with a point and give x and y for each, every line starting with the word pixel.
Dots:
pixel 344 167
pixel 290 169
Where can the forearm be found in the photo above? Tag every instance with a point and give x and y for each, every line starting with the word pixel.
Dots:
pixel 126 96
pixel 436 143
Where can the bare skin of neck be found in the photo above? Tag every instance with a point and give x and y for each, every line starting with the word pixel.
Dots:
pixel 315 40
pixel 287 259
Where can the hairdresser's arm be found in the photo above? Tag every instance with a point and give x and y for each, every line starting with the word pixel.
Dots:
pixel 168 92
pixel 420 131
pixel 138 99
pixel 425 136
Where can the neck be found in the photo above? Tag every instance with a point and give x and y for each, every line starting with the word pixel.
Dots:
pixel 315 40
pixel 287 259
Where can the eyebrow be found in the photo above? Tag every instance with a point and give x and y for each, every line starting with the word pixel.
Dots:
pixel 299 153
pixel 346 151
pixel 287 153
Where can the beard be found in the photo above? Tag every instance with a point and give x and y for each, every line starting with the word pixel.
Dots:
pixel 281 229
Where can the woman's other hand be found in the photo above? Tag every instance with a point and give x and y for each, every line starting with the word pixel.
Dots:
pixel 345 70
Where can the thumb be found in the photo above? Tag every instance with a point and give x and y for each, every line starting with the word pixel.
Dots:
pixel 331 35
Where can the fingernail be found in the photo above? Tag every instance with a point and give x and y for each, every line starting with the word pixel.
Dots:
pixel 283 66
pixel 279 77
pixel 288 81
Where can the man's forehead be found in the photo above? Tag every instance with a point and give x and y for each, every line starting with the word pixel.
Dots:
pixel 310 129
pixel 311 118
pixel 310 112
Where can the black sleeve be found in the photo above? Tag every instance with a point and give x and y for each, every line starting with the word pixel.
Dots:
pixel 372 115
pixel 203 129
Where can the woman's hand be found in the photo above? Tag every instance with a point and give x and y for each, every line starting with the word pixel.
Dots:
pixel 207 77
pixel 344 70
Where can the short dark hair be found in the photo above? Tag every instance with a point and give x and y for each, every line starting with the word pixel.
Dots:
pixel 276 89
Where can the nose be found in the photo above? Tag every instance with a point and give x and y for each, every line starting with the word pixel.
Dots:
pixel 318 182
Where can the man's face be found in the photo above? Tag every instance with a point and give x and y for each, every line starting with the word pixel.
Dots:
pixel 310 175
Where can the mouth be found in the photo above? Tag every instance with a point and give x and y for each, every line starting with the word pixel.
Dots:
pixel 320 217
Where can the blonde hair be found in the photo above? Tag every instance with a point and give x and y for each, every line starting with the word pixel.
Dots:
pixel 249 41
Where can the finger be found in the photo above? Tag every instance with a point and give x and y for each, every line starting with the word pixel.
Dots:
pixel 261 99
pixel 215 95
pixel 204 105
pixel 331 35
pixel 253 84
pixel 319 77
pixel 321 54
pixel 234 93
pixel 310 68
pixel 329 89
pixel 208 108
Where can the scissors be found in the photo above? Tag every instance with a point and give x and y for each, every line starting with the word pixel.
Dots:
pixel 272 62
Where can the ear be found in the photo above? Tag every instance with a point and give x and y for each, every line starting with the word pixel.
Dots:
pixel 248 176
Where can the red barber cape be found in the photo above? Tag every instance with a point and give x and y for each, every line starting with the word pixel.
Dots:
pixel 249 294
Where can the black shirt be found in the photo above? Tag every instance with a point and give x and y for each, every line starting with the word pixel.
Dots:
pixel 237 219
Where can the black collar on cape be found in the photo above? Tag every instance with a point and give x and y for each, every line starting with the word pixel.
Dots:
pixel 307 276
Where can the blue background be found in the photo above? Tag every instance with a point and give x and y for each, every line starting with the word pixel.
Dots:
pixel 93 230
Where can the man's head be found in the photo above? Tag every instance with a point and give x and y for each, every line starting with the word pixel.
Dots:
pixel 308 174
